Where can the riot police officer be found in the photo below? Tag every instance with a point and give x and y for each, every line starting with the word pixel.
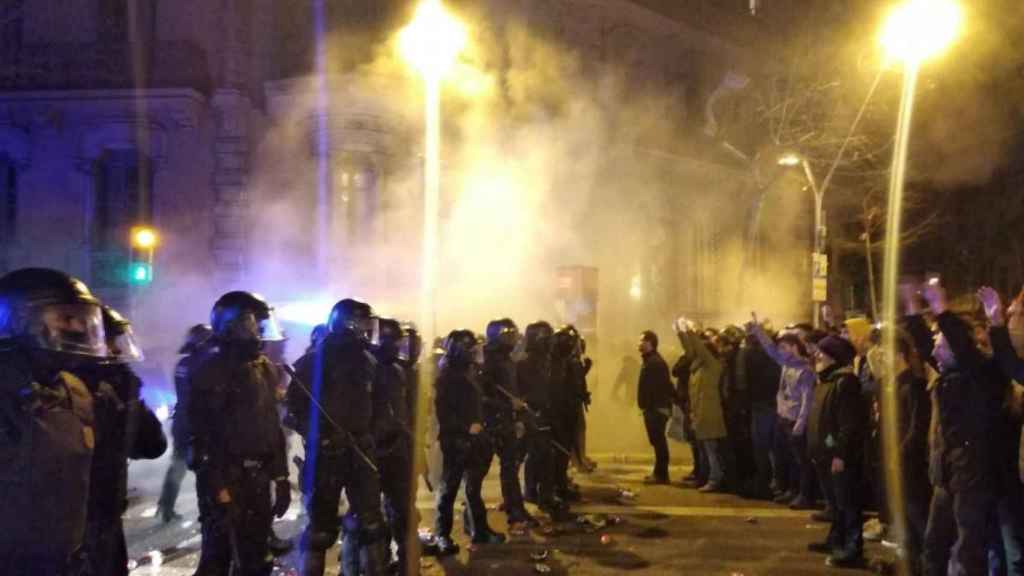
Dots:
pixel 238 445
pixel 466 452
pixel 534 376
pixel 331 403
pixel 125 428
pixel 502 407
pixel 565 375
pixel 196 345
pixel 392 434
pixel 49 323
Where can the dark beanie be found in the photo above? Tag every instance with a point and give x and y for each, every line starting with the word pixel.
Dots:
pixel 839 349
pixel 649 336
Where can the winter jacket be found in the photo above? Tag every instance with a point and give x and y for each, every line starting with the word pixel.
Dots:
pixel 654 390
pixel 796 384
pixel 457 402
pixel 838 420
pixel 761 374
pixel 705 399
pixel 913 421
pixel 966 404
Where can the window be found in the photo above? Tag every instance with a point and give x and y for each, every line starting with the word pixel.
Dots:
pixel 122 184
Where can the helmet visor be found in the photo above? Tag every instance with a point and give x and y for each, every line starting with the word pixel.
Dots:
pixel 269 329
pixel 70 328
pixel 124 347
pixel 405 348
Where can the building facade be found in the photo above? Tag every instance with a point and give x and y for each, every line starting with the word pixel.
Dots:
pixel 201 118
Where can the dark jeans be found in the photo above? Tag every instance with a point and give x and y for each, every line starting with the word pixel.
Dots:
pixel 959 519
pixel 655 423
pixel 105 549
pixel 713 453
pixel 172 481
pixel 917 495
pixel 801 476
pixel 847 532
pixel 762 425
pixel 1010 512
pixel 539 467
pixel 465 459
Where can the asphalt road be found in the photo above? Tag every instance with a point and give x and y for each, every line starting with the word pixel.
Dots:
pixel 662 530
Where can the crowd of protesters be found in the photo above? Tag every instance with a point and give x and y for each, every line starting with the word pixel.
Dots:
pixel 797 416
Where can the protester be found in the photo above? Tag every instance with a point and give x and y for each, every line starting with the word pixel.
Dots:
pixel 762 377
pixel 654 398
pixel 794 400
pixel 835 432
pixel 705 403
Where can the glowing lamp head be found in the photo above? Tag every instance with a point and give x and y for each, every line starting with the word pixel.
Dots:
pixel 920 29
pixel 433 40
pixel 143 237
pixel 789 160
pixel 140 273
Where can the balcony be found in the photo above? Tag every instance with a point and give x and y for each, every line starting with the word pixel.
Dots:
pixel 103 66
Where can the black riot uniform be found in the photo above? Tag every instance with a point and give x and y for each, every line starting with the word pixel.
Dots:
pixel 331 403
pixel 49 323
pixel 392 433
pixel 534 377
pixel 238 445
pixel 501 406
pixel 125 428
pixel 564 395
pixel 196 346
pixel 466 450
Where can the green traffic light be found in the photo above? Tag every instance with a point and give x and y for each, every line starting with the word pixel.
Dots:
pixel 141 273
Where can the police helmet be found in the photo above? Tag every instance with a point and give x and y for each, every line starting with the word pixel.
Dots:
pixel 389 347
pixel 564 342
pixel 121 343
pixel 502 335
pixel 46 309
pixel 538 336
pixel 244 316
pixel 461 348
pixel 411 345
pixel 353 318
pixel 195 338
pixel 317 335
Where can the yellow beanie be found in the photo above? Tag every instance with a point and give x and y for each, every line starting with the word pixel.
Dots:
pixel 858 328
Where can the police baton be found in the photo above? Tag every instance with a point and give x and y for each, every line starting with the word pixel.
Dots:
pixel 320 408
pixel 534 415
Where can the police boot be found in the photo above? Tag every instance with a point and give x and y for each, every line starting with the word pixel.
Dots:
pixel 446 546
pixel 376 559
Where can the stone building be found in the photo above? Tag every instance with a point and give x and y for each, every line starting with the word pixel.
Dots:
pixel 115 113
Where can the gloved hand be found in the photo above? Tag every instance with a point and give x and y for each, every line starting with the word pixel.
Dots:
pixel 282 497
pixel 520 430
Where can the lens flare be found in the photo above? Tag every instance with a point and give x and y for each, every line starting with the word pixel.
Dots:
pixel 920 29
pixel 433 40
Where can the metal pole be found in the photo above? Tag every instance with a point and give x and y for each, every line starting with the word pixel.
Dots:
pixel 816 239
pixel 431 203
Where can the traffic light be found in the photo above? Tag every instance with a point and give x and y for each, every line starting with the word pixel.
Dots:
pixel 144 240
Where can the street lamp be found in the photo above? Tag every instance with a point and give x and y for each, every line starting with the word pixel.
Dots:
pixel 789 160
pixel 914 31
pixel 431 43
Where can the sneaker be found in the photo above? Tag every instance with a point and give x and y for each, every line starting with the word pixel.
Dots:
pixel 653 479
pixel 784 498
pixel 690 483
pixel 446 546
pixel 845 560
pixel 710 487
pixel 488 536
pixel 801 503
pixel 278 546
pixel 168 515
pixel 819 547
pixel 822 516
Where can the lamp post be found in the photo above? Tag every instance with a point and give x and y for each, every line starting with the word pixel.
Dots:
pixel 431 43
pixel 914 31
pixel 790 160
